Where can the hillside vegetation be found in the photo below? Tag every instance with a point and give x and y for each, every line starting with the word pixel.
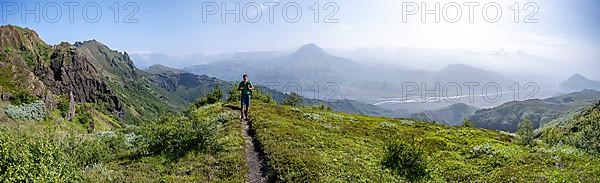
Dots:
pixel 580 130
pixel 300 144
pixel 507 116
pixel 202 145
pixel 312 145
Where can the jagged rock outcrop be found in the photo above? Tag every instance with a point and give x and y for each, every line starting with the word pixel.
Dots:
pixel 90 70
pixel 48 71
pixel 69 71
pixel 71 112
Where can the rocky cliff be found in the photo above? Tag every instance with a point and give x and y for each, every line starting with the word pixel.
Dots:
pixel 90 70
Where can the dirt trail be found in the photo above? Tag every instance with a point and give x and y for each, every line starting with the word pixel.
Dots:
pixel 254 156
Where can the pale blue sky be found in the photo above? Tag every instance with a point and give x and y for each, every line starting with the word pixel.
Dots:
pixel 166 26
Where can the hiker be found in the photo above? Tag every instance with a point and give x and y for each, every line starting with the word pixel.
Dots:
pixel 246 88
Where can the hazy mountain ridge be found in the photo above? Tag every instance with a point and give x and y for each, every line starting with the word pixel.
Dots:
pixel 578 82
pixel 452 115
pixel 186 85
pixel 310 64
pixel 190 86
pixel 160 69
pixel 144 59
pixel 507 116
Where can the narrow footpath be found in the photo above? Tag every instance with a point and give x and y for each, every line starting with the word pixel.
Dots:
pixel 254 158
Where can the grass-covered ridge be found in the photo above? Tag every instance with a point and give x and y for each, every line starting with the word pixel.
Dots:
pixel 315 145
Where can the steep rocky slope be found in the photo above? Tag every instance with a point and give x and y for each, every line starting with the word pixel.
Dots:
pixel 89 70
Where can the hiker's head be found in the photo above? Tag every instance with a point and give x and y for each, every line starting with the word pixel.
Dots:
pixel 245 77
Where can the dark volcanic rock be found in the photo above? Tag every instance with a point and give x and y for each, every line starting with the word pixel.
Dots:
pixel 70 72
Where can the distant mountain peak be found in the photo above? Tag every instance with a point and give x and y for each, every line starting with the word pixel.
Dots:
pixel 578 82
pixel 310 49
pixel 578 76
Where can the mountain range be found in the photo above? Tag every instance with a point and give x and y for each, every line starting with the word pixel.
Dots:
pixel 147 59
pixel 310 66
pixel 190 87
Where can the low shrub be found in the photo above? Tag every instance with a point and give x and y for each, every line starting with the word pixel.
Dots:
pixel 387 124
pixel 86 150
pixel 211 98
pixel 525 132
pixel 83 116
pixel 23 97
pixel 117 141
pixel 234 94
pixel 293 99
pixel 43 156
pixel 323 107
pixel 482 150
pixel 35 111
pixel 262 96
pixel 406 160
pixel 313 117
pixel 63 105
pixel 175 136
pixel 468 123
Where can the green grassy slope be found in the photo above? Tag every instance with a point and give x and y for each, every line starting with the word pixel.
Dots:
pixel 305 144
pixel 224 162
pixel 507 116
pixel 309 145
pixel 204 145
pixel 580 129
